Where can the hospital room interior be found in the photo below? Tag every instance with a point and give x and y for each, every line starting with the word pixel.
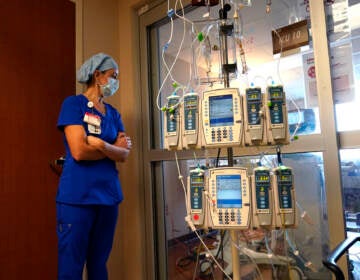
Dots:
pixel 244 120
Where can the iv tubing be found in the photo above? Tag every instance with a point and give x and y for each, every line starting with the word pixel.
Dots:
pixel 251 258
pixel 190 223
pixel 173 64
pixel 291 99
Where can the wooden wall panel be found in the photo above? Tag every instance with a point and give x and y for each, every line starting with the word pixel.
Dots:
pixel 37 71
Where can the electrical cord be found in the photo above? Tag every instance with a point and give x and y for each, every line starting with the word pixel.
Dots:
pixel 197 262
pixel 278 155
pixel 217 157
pixel 191 224
pixel 221 245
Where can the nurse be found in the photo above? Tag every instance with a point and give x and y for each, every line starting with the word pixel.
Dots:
pixel 89 189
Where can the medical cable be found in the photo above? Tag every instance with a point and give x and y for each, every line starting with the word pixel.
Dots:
pixel 293 135
pixel 183 185
pixel 305 215
pixel 203 49
pixel 270 253
pixel 286 252
pixel 264 156
pixel 166 47
pixel 197 262
pixel 217 157
pixel 244 251
pixel 191 224
pixel 278 156
pixel 173 64
pixel 296 252
pixel 182 10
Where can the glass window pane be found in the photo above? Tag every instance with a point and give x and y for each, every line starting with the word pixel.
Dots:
pixel 344 39
pixel 350 167
pixel 188 58
pixel 305 246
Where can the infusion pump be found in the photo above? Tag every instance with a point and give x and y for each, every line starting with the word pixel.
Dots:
pixel 276 116
pixel 229 198
pixel 226 198
pixel 195 189
pixel 172 127
pixel 222 117
pixel 262 198
pixel 190 122
pixel 284 197
pixel 254 116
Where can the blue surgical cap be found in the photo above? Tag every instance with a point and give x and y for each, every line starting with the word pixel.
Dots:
pixel 100 61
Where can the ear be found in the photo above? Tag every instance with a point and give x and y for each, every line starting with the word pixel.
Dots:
pixel 96 73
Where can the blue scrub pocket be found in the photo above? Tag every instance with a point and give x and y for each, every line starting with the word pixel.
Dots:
pixel 64 238
pixel 63 227
pixel 71 258
pixel 62 224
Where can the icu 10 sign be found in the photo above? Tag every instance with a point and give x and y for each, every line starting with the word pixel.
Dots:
pixel 290 37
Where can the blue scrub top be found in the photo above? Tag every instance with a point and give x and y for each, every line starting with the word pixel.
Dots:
pixel 89 181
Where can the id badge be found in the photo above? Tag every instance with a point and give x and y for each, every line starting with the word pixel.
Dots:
pixel 92 119
pixel 94 129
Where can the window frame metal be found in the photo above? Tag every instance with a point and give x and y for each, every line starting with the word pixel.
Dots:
pixel 329 141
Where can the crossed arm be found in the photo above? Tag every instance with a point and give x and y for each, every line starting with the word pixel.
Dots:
pixel 83 147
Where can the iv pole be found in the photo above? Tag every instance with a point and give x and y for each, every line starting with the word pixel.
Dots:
pixel 226 69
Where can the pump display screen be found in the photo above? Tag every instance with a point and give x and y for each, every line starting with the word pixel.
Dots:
pixel 262 186
pixel 285 178
pixel 196 190
pixel 262 178
pixel 253 94
pixel 197 179
pixel 276 92
pixel 221 110
pixel 228 191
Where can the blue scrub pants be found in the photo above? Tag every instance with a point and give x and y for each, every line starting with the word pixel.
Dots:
pixel 85 235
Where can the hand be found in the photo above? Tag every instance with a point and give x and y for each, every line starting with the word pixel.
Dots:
pixel 95 142
pixel 123 141
pixel 128 142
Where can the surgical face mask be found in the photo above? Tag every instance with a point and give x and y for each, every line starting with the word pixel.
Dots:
pixel 110 88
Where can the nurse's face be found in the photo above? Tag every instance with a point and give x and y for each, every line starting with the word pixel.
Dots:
pixel 102 77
